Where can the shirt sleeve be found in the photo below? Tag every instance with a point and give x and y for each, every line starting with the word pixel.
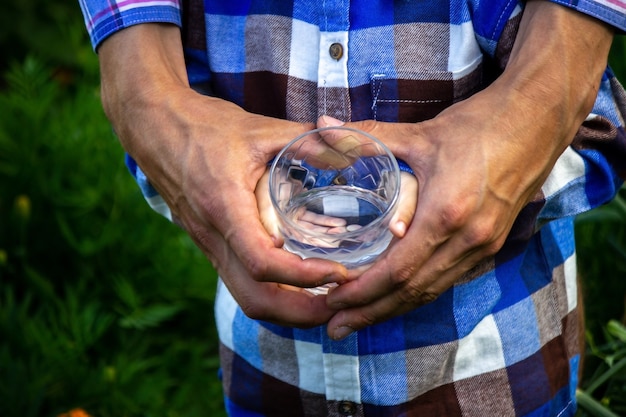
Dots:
pixel 591 171
pixel 105 17
pixel 612 12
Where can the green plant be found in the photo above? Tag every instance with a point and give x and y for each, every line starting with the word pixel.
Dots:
pixel 601 240
pixel 603 393
pixel 617 58
pixel 54 32
pixel 104 305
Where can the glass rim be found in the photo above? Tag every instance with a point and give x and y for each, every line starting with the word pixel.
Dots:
pixel 391 207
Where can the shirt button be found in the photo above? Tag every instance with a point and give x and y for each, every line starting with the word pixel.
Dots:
pixel 346 408
pixel 336 51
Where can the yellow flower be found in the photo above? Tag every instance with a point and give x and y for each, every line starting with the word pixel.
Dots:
pixel 22 206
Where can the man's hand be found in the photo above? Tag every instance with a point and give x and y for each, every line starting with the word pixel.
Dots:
pixel 479 163
pixel 205 156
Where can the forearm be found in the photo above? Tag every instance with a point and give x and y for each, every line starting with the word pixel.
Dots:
pixel 530 114
pixel 142 57
pixel 556 66
pixel 140 66
pixel 205 156
pixel 554 73
pixel 159 119
pixel 579 57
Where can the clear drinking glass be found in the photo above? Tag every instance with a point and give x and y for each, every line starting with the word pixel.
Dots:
pixel 335 190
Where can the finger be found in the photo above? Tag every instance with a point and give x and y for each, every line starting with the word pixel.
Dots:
pixel 258 300
pixel 321 219
pixel 352 144
pixel 422 289
pixel 403 288
pixel 398 263
pixel 407 204
pixel 267 263
pixel 277 303
pixel 256 250
pixel 327 121
pixel 271 142
pixel 267 213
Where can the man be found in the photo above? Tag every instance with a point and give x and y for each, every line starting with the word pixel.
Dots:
pixel 510 123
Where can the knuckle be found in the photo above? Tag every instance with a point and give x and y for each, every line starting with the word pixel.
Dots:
pixel 494 246
pixel 427 297
pixel 409 290
pixel 257 268
pixel 252 309
pixel 485 236
pixel 453 216
pixel 403 275
pixel 414 295
pixel 479 235
pixel 366 320
pixel 202 236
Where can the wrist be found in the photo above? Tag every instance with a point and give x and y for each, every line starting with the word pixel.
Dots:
pixel 139 66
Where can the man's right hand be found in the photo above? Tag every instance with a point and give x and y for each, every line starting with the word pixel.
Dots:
pixel 206 156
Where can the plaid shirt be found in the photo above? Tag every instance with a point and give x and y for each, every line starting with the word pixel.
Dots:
pixel 503 341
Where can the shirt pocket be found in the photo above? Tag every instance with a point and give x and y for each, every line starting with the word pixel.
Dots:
pixel 413 97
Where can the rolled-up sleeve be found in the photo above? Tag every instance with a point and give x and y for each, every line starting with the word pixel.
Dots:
pixel 105 17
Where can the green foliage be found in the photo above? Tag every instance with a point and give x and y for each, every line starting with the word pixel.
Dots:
pixel 52 31
pixel 601 241
pixel 603 393
pixel 104 305
pixel 618 57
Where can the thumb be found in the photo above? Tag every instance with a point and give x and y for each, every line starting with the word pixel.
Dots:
pixel 327 121
pixel 267 213
pixel 407 204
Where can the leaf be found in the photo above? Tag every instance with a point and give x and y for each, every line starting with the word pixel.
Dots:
pixel 617 329
pixel 606 376
pixel 150 316
pixel 126 292
pixel 595 408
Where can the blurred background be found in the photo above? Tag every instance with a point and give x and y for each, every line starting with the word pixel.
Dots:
pixel 102 318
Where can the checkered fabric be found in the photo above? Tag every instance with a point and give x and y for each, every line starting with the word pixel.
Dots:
pixel 504 341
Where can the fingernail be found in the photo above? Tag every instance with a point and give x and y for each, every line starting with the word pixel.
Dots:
pixel 342 332
pixel 333 279
pixel 339 276
pixel 331 121
pixel 276 240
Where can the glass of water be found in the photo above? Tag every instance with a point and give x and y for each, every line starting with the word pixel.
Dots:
pixel 335 190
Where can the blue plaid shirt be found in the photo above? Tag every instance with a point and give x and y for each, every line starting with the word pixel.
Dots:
pixel 503 341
